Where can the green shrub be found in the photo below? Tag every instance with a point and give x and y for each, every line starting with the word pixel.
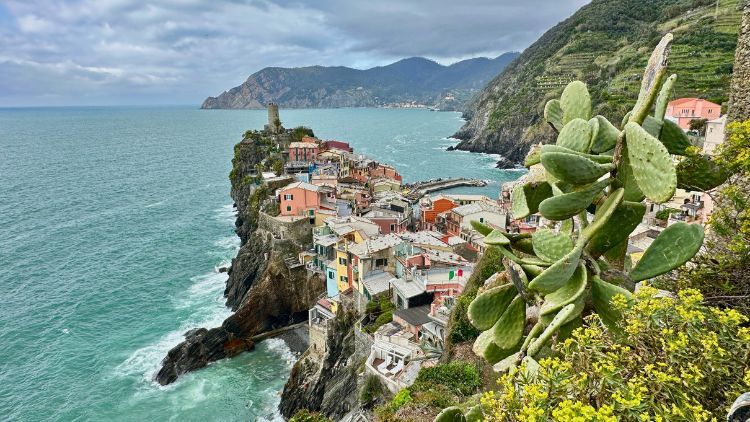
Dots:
pixel 678 360
pixel 304 415
pixel 665 213
pixel 400 399
pixel 372 390
pixel 461 377
pixel 383 319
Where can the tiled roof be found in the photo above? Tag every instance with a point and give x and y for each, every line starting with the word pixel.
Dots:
pixel 301 185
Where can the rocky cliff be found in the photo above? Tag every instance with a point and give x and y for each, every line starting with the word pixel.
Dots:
pixel 262 289
pixel 605 44
pixel 328 383
pixel 414 79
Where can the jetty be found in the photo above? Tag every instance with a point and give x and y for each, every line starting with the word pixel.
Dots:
pixel 422 188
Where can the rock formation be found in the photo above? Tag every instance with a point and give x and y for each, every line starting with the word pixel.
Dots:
pixel 739 99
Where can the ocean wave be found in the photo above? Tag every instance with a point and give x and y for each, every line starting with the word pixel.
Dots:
pixel 229 242
pixel 227 214
pixel 279 347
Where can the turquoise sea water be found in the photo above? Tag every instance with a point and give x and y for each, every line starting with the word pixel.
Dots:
pixel 112 224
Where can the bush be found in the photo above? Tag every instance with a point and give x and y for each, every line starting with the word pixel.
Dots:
pixel 461 377
pixel 678 360
pixel 383 319
pixel 372 390
pixel 665 213
pixel 401 398
pixel 304 415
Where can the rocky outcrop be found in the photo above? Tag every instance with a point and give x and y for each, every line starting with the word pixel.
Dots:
pixel 329 384
pixel 263 290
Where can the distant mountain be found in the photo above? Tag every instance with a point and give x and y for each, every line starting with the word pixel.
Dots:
pixel 605 44
pixel 414 79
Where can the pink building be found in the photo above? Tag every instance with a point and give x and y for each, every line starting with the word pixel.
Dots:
pixel 683 110
pixel 303 199
pixel 305 151
pixel 343 146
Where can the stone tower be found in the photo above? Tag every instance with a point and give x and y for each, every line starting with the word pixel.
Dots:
pixel 739 97
pixel 274 123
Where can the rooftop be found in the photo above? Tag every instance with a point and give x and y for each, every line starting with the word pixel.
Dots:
pixel 476 207
pixel 409 289
pixel 417 316
pixel 377 282
pixel 375 244
pixel 427 238
pixel 301 185
pixel 302 145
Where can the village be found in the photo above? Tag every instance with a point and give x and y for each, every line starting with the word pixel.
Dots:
pixel 399 256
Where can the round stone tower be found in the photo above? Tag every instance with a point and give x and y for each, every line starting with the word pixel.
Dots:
pixel 274 123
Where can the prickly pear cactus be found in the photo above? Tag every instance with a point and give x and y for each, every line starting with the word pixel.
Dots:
pixel 593 181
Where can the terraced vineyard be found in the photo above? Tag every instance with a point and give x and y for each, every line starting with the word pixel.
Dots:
pixel 606 45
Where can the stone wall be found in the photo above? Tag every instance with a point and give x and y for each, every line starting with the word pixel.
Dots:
pixel 299 231
pixel 739 97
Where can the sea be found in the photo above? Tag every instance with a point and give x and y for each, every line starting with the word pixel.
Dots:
pixel 114 222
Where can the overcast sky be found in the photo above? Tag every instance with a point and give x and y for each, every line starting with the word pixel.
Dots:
pixel 94 52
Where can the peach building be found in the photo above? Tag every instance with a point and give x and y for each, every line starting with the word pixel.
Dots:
pixel 683 110
pixel 304 199
pixel 432 208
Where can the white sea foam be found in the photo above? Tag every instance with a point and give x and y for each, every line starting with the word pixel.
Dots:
pixel 227 214
pixel 279 347
pixel 230 242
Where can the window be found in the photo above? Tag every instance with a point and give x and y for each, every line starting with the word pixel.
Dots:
pixel 288 207
pixel 481 219
pixel 381 262
pixel 342 261
pixel 330 274
pixel 393 227
pixel 288 197
pixel 344 279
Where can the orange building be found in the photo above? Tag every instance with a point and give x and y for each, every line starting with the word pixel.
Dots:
pixel 437 205
pixel 683 110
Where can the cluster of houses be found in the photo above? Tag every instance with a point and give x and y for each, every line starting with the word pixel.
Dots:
pixel 372 243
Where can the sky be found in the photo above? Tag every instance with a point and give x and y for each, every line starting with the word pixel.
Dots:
pixel 128 52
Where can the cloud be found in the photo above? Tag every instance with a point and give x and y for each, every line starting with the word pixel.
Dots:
pixel 172 51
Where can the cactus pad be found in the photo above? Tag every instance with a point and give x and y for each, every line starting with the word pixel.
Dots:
pixel 627 179
pixel 603 214
pixel 575 135
pixel 558 273
pixel 575 102
pixel 653 126
pixel 481 227
pixel 568 293
pixel 674 138
pixel 496 237
pixel 626 218
pixel 525 199
pixel 487 307
pixel 602 293
pixel 567 205
pixel 451 414
pixel 663 99
pixel 671 248
pixel 606 136
pixel 601 159
pixel 508 330
pixel 485 347
pixel 653 76
pixel 533 156
pixel 574 169
pixel 553 114
pixel 565 313
pixel 551 246
pixel 652 166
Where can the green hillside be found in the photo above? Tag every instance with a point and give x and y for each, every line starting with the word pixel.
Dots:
pixel 606 44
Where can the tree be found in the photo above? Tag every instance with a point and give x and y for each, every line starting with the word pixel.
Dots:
pixel 699 125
